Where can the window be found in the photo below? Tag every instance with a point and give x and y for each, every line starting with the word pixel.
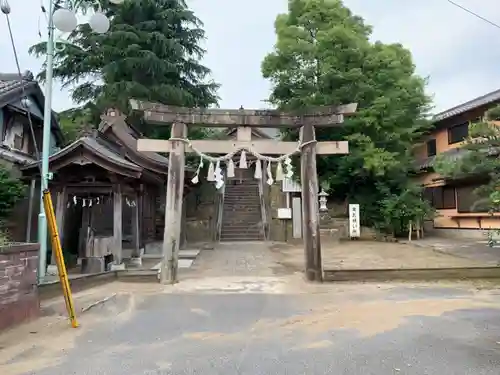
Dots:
pixel 468 201
pixel 449 200
pixel 441 197
pixel 14 135
pixel 427 194
pixel 431 147
pixel 18 142
pixel 458 133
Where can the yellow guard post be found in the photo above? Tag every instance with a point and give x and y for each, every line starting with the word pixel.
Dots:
pixel 57 249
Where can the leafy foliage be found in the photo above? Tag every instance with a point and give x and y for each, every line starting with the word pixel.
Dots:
pixel 73 120
pixel 478 156
pixel 323 56
pixel 400 209
pixel 11 191
pixel 151 53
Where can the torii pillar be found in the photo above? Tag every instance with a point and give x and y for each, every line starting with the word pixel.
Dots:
pixel 243 119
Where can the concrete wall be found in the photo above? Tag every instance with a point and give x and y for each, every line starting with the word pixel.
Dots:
pixel 19 300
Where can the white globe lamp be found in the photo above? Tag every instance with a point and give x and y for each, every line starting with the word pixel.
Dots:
pixel 99 23
pixel 65 20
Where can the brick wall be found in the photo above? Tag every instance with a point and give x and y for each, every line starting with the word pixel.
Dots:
pixel 19 300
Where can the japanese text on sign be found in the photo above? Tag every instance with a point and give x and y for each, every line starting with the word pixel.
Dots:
pixel 354 226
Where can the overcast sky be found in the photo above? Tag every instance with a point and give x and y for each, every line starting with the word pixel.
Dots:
pixel 458 52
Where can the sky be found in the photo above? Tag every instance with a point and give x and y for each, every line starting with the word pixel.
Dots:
pixel 459 53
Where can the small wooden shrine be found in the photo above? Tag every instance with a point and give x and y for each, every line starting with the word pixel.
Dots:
pixel 109 197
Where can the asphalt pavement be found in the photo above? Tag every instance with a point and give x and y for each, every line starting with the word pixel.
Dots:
pixel 251 323
pixel 360 329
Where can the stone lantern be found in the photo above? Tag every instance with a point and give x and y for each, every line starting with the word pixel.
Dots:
pixel 322 200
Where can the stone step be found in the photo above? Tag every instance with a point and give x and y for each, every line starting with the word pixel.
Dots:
pixel 241 238
pixel 242 185
pixel 235 202
pixel 238 199
pixel 246 195
pixel 242 229
pixel 242 191
pixel 246 189
pixel 241 225
pixel 255 210
pixel 241 210
pixel 241 198
pixel 244 225
pixel 240 216
pixel 243 194
pixel 229 217
pixel 241 234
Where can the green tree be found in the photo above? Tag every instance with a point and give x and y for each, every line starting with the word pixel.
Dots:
pixel 73 120
pixel 152 52
pixel 323 56
pixel 11 191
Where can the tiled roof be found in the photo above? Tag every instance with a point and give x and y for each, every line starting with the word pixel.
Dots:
pixel 489 98
pixel 131 143
pixel 98 147
pixel 11 85
pixel 6 86
pixel 11 90
pixel 454 154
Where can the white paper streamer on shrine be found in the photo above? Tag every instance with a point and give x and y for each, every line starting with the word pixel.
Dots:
pixel 91 201
pixel 230 168
pixel 196 177
pixel 258 170
pixel 218 176
pixel 282 165
pixel 269 173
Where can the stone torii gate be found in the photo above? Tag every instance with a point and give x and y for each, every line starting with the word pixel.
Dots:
pixel 244 120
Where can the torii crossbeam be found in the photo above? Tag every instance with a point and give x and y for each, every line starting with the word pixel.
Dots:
pixel 244 120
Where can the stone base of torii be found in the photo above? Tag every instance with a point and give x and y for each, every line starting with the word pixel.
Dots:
pixel 244 120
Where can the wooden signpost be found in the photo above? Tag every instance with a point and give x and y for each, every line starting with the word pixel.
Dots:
pixel 243 119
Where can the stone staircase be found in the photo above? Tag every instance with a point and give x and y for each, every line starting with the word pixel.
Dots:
pixel 241 217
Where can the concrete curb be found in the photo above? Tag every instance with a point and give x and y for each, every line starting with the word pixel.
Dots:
pixel 412 274
pixel 53 289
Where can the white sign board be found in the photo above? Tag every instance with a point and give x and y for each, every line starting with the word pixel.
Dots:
pixel 354 227
pixel 290 186
pixel 284 213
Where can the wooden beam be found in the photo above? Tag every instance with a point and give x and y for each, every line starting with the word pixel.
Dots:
pixel 213 117
pixel 268 147
pixel 60 216
pixel 117 224
pixel 30 209
pixel 136 231
pixel 310 209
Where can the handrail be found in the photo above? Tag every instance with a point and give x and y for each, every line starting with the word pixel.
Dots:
pixel 263 210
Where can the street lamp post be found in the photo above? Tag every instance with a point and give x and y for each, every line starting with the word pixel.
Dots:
pixel 64 20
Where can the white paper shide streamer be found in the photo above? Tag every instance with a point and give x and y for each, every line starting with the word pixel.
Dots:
pixel 272 169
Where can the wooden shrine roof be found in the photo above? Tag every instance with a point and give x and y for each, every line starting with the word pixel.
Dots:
pixel 98 151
